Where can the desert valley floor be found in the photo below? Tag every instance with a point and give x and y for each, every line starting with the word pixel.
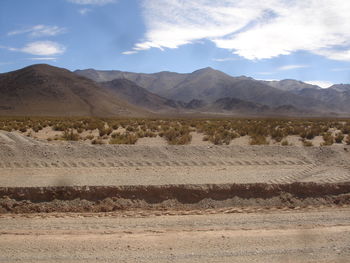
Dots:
pixel 73 201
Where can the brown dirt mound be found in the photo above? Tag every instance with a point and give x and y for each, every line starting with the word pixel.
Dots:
pixel 113 198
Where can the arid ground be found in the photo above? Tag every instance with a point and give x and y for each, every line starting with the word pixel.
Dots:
pixel 153 202
pixel 319 235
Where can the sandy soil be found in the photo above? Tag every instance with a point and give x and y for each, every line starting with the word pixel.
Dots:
pixel 151 141
pixel 302 236
pixel 197 139
pixel 235 229
pixel 28 162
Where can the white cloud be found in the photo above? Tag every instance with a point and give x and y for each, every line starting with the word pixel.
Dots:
pixel 39 31
pixel 335 54
pixel 225 59
pixel 84 11
pixel 129 52
pixel 92 2
pixel 44 58
pixel 340 69
pixel 290 67
pixel 41 48
pixel 249 28
pixel 320 83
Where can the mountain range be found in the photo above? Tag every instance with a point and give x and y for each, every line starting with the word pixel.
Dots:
pixel 46 90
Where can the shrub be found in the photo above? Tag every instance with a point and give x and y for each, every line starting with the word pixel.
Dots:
pixel 97 141
pixel 346 129
pixel 328 139
pixel 309 134
pixel 258 140
pixel 89 137
pixel 307 143
pixel 70 135
pixel 285 143
pixel 59 127
pixel 205 138
pixel 277 135
pixel 177 136
pixel 37 128
pixel 223 137
pixel 339 137
pixel 23 129
pixel 126 138
pixel 130 128
pixel 105 131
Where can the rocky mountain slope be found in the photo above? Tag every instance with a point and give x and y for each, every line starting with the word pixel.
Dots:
pixel 209 85
pixel 136 95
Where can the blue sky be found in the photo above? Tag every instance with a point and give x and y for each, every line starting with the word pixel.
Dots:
pixel 307 40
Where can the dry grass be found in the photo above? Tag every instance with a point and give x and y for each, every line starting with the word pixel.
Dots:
pixel 258 140
pixel 307 143
pixel 70 135
pixel 127 138
pixel 328 139
pixel 177 131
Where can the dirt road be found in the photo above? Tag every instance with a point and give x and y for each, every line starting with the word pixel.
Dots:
pixel 312 236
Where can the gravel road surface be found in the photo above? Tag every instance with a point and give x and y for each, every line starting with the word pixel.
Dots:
pixel 312 236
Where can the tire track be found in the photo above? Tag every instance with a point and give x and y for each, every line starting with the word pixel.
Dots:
pixel 295 177
pixel 174 212
pixel 149 163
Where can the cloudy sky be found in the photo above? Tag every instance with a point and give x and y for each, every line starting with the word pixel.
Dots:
pixel 307 40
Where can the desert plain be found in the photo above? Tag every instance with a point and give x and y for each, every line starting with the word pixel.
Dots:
pixel 92 195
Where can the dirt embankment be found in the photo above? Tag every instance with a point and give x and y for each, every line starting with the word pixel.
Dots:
pixel 172 197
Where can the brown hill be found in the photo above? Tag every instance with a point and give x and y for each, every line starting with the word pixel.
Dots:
pixel 44 90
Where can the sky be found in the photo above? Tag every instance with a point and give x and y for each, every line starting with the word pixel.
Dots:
pixel 307 40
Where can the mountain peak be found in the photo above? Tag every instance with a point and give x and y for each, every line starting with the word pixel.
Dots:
pixel 205 70
pixel 43 69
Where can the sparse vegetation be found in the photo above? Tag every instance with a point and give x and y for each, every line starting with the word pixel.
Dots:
pixel 127 138
pixel 70 135
pixel 328 139
pixel 307 143
pixel 258 140
pixel 177 135
pixel 178 131
pixel 97 141
pixel 285 143
pixel 339 137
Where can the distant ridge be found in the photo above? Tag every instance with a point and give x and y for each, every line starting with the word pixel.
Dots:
pixel 209 85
